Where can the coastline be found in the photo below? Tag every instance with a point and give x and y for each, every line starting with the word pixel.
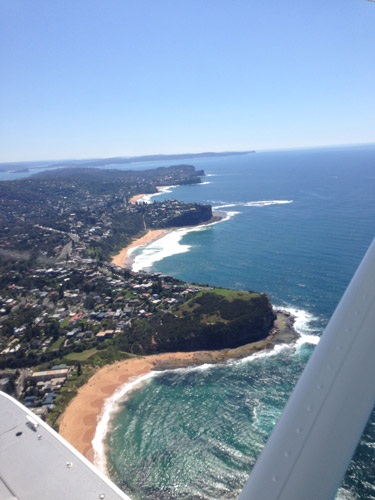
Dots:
pixel 79 422
pixel 134 199
pixel 121 258
pixel 160 189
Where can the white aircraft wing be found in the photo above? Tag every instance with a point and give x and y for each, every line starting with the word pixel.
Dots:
pixel 311 446
pixel 38 464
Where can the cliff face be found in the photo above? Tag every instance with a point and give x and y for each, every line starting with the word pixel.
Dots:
pixel 192 217
pixel 212 320
pixel 241 322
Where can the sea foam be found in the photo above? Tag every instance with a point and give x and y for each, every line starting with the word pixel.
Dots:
pixel 265 353
pixel 110 407
pixel 302 324
pixel 263 203
pixel 160 249
pixel 168 245
pixel 162 190
pixel 147 198
pixel 344 495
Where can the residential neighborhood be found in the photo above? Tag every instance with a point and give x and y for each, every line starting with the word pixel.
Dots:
pixel 49 313
pixel 61 301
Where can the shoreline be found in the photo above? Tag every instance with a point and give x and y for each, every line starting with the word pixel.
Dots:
pixel 122 258
pixel 134 199
pixel 78 424
pixel 86 420
pixel 79 421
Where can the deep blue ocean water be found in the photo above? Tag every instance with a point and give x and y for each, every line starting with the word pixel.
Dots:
pixel 297 225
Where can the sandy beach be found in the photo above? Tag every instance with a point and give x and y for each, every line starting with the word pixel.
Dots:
pixel 151 235
pixel 133 200
pixel 79 421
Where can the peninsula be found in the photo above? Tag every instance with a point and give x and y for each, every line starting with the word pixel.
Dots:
pixel 79 421
pixel 119 160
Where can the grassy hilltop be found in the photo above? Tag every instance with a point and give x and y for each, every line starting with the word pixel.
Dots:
pixel 213 319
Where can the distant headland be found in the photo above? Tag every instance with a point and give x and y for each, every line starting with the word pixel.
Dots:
pixel 117 160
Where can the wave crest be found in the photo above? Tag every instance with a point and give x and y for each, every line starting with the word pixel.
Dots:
pixel 262 203
pixel 162 190
pixel 302 324
pixel 110 407
pixel 169 245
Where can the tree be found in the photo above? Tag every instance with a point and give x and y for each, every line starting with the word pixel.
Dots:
pixel 89 302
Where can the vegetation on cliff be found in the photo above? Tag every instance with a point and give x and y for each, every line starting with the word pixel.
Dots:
pixel 213 319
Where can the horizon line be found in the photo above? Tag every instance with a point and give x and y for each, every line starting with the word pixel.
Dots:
pixel 241 151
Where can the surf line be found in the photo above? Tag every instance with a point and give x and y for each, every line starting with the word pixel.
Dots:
pixel 127 375
pixel 168 244
pixel 157 244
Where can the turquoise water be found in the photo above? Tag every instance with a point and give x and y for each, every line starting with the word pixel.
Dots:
pixel 196 433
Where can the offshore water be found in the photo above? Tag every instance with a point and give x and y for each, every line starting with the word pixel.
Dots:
pixel 297 225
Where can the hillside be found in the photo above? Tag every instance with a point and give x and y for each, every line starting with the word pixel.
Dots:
pixel 213 319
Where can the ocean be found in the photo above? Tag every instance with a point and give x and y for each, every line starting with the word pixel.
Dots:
pixel 295 226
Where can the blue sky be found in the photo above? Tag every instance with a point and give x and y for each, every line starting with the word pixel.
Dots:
pixel 98 78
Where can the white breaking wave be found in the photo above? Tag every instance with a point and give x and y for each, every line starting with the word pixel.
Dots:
pixel 228 215
pixel 302 325
pixel 193 368
pixel 308 339
pixel 263 203
pixel 110 407
pixel 162 190
pixel 265 353
pixel 344 495
pixel 168 245
pixel 160 249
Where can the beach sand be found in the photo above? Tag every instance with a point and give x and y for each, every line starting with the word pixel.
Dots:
pixel 133 200
pixel 151 235
pixel 79 421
